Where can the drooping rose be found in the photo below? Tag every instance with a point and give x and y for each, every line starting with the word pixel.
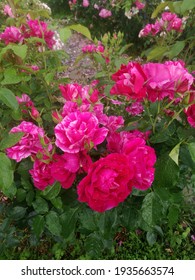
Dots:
pixel 106 184
pixel 79 131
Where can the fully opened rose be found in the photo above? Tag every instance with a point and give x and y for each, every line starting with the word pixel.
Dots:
pixel 79 131
pixel 107 183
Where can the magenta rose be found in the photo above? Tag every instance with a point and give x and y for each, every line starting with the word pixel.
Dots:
pixel 64 168
pixel 79 131
pixel 30 143
pixel 165 80
pixel 71 92
pixel 107 183
pixel 12 34
pixel 190 113
pixel 130 81
pixel 142 159
pixel 41 174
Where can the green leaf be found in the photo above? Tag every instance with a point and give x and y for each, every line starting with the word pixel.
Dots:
pixel 81 29
pixel 38 225
pixel 20 51
pixel 151 237
pixel 94 245
pixel 173 215
pixel 51 191
pixel 174 154
pixel 40 205
pixel 11 77
pixel 17 213
pixel 68 221
pixel 176 49
pixel 163 135
pixel 53 223
pixel 166 173
pixel 8 98
pixel 108 223
pixel 65 34
pixel 157 53
pixel 10 140
pixel 151 210
pixel 6 173
pixel 191 148
pixel 159 8
pixel 187 5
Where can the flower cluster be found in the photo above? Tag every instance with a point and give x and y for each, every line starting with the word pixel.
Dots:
pixel 167 23
pixel 123 160
pixel 154 81
pixel 32 28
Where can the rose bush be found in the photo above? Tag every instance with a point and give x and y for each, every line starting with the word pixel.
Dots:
pixel 88 159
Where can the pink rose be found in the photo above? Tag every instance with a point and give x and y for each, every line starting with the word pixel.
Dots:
pixel 142 158
pixel 12 34
pixel 39 29
pixel 8 11
pixel 139 5
pixel 135 109
pixel 79 131
pixel 30 143
pixel 41 174
pixel 71 92
pixel 190 113
pixel 106 184
pixel 64 168
pixel 130 81
pixel 85 3
pixel 165 80
pixel 105 13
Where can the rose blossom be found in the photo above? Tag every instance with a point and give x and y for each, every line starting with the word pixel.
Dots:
pixel 29 144
pixel 12 34
pixel 130 81
pixel 166 79
pixel 79 131
pixel 85 3
pixel 190 113
pixel 39 29
pixel 106 184
pixel 71 92
pixel 41 174
pixel 142 158
pixel 139 5
pixel 8 11
pixel 64 168
pixel 105 13
pixel 135 108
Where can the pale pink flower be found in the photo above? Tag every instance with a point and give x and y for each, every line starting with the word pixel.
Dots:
pixel 8 11
pixel 85 3
pixel 79 131
pixel 30 143
pixel 104 13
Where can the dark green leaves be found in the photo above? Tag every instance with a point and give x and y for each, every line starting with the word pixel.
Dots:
pixel 6 173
